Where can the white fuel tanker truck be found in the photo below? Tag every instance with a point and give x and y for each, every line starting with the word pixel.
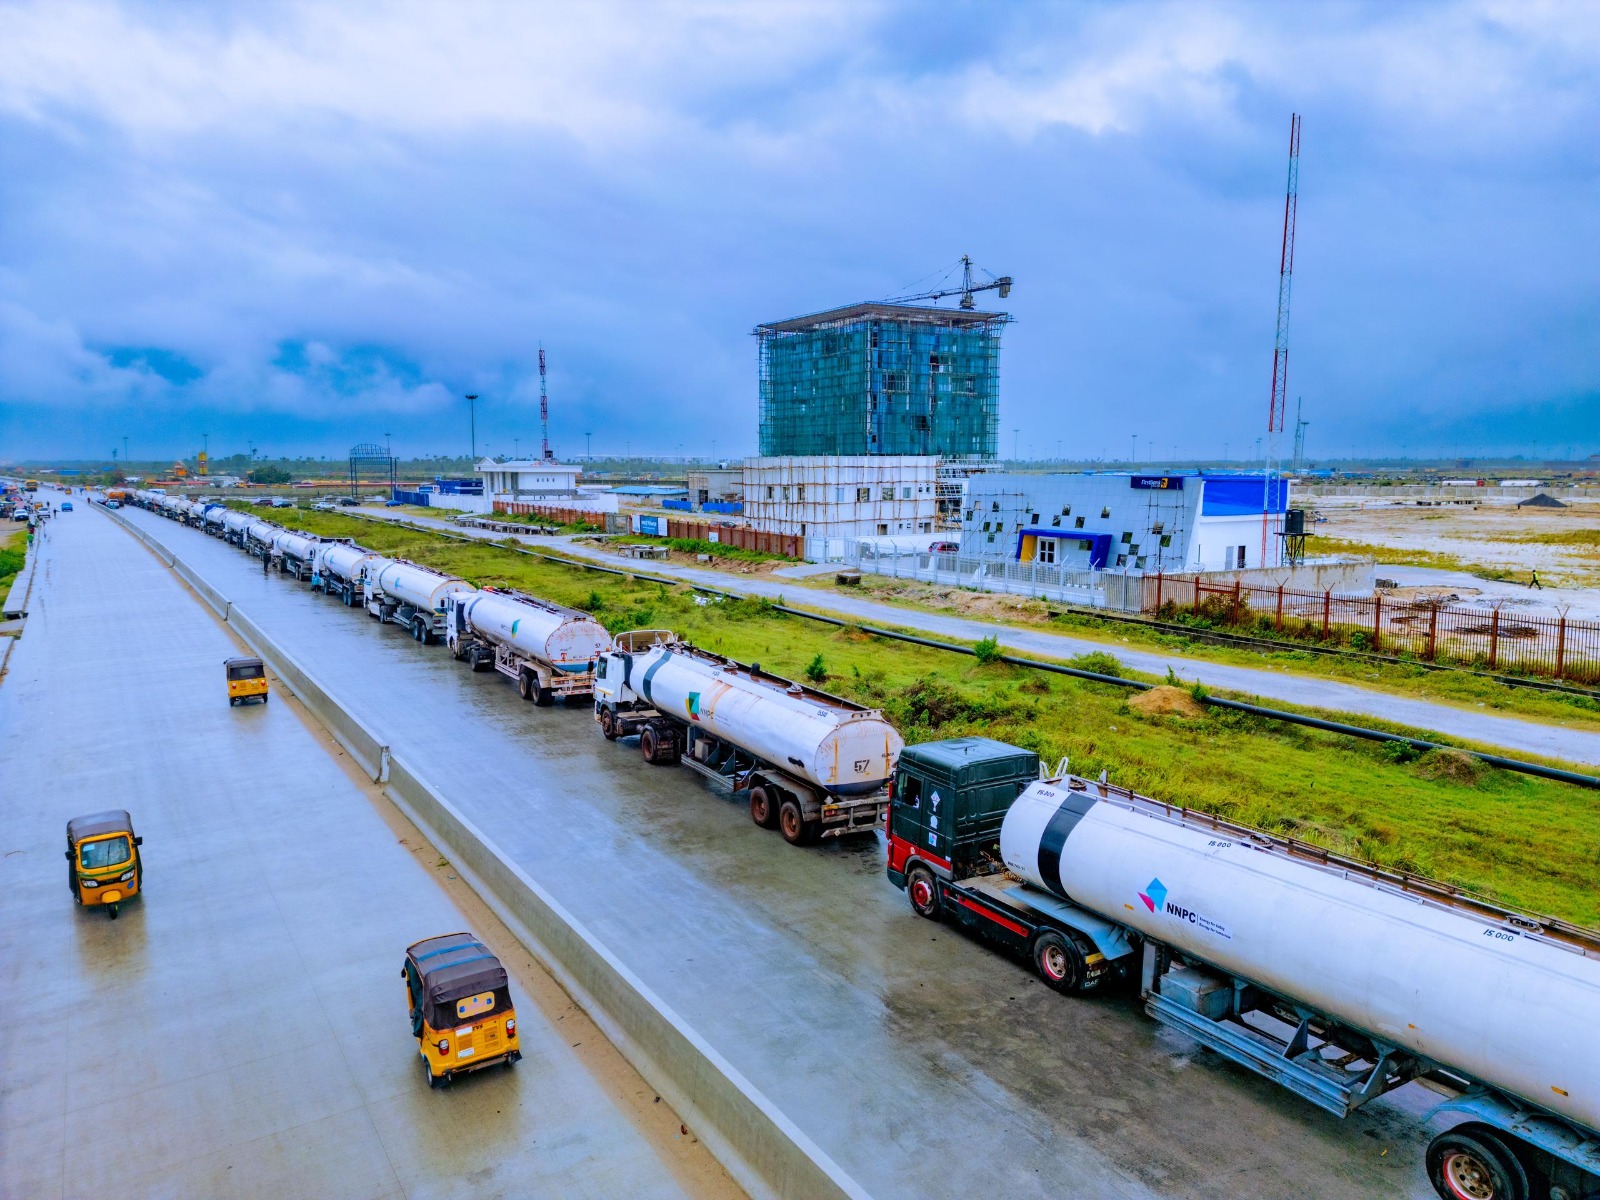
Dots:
pixel 259 537
pixel 340 569
pixel 814 765
pixel 408 594
pixel 1337 979
pixel 295 552
pixel 234 525
pixel 549 650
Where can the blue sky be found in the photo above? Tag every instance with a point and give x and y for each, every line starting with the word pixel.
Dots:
pixel 304 226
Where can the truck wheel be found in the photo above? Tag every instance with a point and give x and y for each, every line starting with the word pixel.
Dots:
pixel 796 830
pixel 608 724
pixel 525 685
pixel 1059 961
pixel 922 889
pixel 458 650
pixel 763 807
pixel 542 697
pixel 647 744
pixel 1472 1162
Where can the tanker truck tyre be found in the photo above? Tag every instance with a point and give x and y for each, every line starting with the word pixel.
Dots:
pixel 763 806
pixel 647 744
pixel 922 889
pixel 456 650
pixel 1059 960
pixel 542 697
pixel 608 725
pixel 525 687
pixel 792 824
pixel 1473 1162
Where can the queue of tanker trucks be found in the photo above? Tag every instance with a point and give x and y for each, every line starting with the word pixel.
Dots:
pixel 1336 979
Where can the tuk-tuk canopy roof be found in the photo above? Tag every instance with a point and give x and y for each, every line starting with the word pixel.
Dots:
pixel 242 662
pixel 115 820
pixel 455 965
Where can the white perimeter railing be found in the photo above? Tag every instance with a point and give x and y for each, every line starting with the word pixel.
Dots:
pixel 1045 581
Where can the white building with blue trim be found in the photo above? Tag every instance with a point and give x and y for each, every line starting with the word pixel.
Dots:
pixel 1182 521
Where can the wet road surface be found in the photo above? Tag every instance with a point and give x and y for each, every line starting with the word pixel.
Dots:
pixel 924 1063
pixel 241 1029
pixel 1508 733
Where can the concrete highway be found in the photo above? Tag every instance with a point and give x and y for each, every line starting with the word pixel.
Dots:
pixel 241 1029
pixel 1514 734
pixel 925 1064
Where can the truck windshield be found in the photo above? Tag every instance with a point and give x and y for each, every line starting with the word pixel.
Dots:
pixel 248 671
pixel 111 852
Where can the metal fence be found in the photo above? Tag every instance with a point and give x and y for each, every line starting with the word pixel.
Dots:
pixel 1045 581
pixel 1498 639
pixel 738 535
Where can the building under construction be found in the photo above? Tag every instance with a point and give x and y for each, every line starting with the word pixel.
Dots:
pixel 882 378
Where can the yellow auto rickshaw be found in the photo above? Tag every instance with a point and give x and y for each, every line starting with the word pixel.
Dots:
pixel 247 680
pixel 460 1004
pixel 103 862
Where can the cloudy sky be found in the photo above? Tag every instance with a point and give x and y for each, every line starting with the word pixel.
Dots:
pixel 305 225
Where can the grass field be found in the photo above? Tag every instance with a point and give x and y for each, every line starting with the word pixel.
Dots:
pixel 1527 842
pixel 13 553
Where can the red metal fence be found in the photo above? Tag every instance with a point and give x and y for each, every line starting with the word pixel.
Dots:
pixel 740 536
pixel 563 516
pixel 1497 639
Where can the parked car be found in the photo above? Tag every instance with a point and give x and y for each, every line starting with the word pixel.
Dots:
pixel 19 513
pixel 348 501
pixel 324 506
pixel 393 503
pixel 944 548
pixel 281 502
pixel 112 504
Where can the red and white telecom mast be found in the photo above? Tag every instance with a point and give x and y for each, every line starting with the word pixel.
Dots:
pixel 1280 345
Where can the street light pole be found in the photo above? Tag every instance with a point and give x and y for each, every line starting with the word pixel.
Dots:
pixel 472 423
pixel 1135 447
pixel 587 454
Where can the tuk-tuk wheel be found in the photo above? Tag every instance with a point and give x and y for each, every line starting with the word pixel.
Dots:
pixel 434 1081
pixel 113 909
pixel 233 702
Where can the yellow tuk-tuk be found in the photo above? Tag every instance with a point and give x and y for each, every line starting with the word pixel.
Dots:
pixel 460 1004
pixel 247 680
pixel 103 862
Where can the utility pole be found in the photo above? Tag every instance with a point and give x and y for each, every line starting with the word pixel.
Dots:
pixel 1299 437
pixel 587 453
pixel 1280 345
pixel 472 423
pixel 1135 457
pixel 1014 434
pixel 544 411
pixel 124 450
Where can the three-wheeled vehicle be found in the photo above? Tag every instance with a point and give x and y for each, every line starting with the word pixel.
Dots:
pixel 460 1003
pixel 247 680
pixel 103 862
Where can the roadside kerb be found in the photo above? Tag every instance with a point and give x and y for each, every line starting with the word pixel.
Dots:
pixel 758 1145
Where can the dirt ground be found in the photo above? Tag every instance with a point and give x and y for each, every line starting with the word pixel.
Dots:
pixel 1561 544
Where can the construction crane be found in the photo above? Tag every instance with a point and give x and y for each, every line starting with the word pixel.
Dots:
pixel 1280 345
pixel 995 283
pixel 544 410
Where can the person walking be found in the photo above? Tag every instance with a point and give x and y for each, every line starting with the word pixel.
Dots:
pixel 1534 582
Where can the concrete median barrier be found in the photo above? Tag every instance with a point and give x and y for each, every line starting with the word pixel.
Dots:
pixel 765 1152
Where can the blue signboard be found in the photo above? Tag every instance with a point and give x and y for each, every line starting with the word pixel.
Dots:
pixel 654 526
pixel 1156 483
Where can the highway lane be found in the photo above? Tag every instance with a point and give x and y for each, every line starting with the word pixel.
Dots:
pixel 926 1065
pixel 240 1030
pixel 1514 734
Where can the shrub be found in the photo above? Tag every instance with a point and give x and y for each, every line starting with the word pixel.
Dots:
pixel 1099 662
pixel 987 650
pixel 816 670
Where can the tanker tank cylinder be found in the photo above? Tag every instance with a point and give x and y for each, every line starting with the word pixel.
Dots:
pixel 417 586
pixel 1501 998
pixel 562 638
pixel 840 747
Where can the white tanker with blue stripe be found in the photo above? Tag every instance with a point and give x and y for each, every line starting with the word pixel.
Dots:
pixel 814 765
pixel 549 650
pixel 409 594
pixel 1337 979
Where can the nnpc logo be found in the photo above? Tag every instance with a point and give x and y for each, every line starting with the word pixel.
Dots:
pixel 1154 896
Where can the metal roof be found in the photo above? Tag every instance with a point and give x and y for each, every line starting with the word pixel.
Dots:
pixel 873 309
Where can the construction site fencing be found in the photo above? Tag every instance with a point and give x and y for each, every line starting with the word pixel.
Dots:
pixel 1044 581
pixel 741 536
pixel 1502 638
pixel 552 512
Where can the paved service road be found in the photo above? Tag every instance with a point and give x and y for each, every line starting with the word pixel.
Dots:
pixel 1508 733
pixel 241 1030
pixel 923 1063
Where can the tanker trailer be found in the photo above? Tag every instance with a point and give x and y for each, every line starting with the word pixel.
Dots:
pixel 234 525
pixel 340 569
pixel 1335 978
pixel 213 516
pixel 295 552
pixel 259 537
pixel 549 650
pixel 815 765
pixel 411 595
